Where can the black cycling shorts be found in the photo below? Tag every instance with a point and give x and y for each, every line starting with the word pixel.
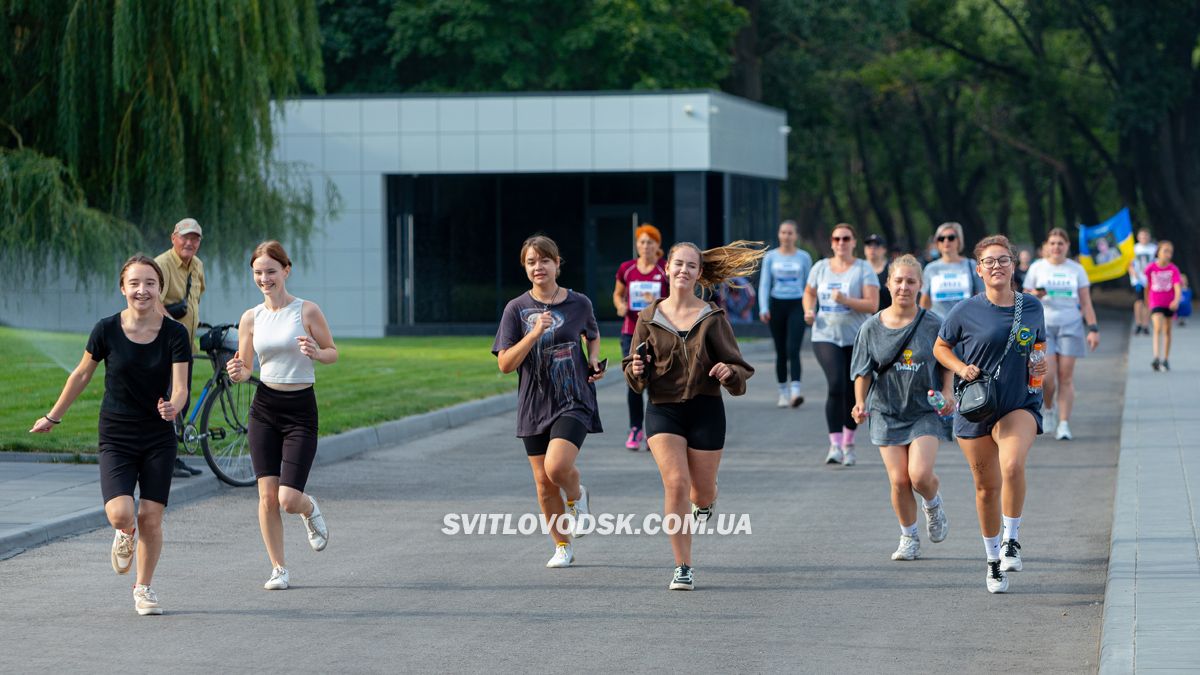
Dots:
pixel 565 427
pixel 700 420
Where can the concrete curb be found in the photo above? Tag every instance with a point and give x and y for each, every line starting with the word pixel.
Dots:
pixel 332 449
pixel 1117 627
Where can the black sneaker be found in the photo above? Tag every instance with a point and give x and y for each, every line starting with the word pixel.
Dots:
pixel 182 470
pixel 1156 365
pixel 1010 556
pixel 682 581
pixel 1165 366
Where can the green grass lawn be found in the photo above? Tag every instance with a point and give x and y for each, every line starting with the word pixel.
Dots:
pixel 374 381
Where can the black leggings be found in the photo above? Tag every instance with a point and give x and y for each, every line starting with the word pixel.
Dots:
pixel 787 328
pixel 282 433
pixel 637 413
pixel 835 361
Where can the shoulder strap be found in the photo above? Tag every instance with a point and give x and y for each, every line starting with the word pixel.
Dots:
pixel 1012 334
pixel 907 338
pixel 187 291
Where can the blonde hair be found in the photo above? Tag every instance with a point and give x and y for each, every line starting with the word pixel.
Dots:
pixel 720 264
pixel 907 260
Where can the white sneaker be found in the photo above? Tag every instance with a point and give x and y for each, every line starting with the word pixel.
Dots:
pixel 997 580
pixel 278 580
pixel 796 400
pixel 145 601
pixel 123 547
pixel 1049 415
pixel 909 549
pixel 579 508
pixel 848 457
pixel 318 532
pixel 1010 556
pixel 835 454
pixel 1063 433
pixel 682 579
pixel 703 515
pixel 937 525
pixel 563 556
pixel 784 401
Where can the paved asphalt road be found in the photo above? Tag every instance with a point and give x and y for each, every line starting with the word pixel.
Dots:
pixel 812 589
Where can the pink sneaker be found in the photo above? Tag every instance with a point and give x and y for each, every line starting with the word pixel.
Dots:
pixel 635 437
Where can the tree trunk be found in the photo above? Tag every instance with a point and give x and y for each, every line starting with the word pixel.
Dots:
pixel 878 205
pixel 745 76
pixel 1033 201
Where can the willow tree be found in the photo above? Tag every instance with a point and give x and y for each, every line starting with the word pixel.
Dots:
pixel 119 118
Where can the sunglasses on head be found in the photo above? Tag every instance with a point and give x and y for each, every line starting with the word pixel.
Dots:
pixel 840 239
pixel 947 237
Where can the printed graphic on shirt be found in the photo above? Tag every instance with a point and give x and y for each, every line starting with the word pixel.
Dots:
pixel 1061 285
pixel 563 358
pixel 825 298
pixel 786 272
pixel 950 286
pixel 1024 339
pixel 1162 280
pixel 642 293
pixel 906 362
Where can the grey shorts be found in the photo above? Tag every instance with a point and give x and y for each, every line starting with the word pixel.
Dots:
pixel 1066 340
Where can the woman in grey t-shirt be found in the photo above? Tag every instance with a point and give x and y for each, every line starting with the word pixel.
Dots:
pixel 951 278
pixel 893 376
pixel 842 291
pixel 972 342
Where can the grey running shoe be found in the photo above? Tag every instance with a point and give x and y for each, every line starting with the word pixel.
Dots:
pixel 1010 556
pixel 997 580
pixel 909 549
pixel 683 580
pixel 145 601
pixel 318 532
pixel 848 456
pixel 936 524
pixel 835 454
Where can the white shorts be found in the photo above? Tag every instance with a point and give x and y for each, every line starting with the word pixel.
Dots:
pixel 1067 340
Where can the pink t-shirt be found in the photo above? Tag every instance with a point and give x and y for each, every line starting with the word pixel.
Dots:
pixel 1161 283
pixel 641 289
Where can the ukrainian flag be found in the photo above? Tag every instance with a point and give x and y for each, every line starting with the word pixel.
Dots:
pixel 1105 250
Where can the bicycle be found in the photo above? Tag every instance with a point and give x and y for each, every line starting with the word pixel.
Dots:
pixel 224 412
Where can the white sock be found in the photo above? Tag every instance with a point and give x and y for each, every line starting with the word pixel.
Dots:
pixel 992 544
pixel 932 503
pixel 910 530
pixel 795 387
pixel 783 389
pixel 1012 527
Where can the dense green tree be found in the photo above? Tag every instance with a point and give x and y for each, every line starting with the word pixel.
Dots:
pixel 118 118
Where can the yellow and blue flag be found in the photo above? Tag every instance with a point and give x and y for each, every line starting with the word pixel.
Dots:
pixel 1105 250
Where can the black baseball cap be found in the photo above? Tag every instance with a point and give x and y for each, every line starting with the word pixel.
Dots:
pixel 874 239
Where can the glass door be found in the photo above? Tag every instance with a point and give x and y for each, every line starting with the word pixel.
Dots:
pixel 610 243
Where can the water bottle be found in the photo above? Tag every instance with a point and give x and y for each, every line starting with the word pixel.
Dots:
pixel 1036 356
pixel 936 400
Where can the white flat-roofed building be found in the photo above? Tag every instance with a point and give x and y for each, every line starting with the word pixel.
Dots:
pixel 438 192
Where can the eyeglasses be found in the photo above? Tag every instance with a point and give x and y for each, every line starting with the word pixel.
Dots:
pixel 992 263
pixel 947 237
pixel 841 239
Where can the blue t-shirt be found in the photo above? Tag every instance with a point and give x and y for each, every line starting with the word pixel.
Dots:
pixel 978 331
pixel 783 277
pixel 947 284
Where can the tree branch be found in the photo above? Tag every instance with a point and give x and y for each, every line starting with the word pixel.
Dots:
pixel 1059 165
pixel 1007 71
pixel 1033 47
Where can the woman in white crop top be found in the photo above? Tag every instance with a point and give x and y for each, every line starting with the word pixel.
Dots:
pixel 287 334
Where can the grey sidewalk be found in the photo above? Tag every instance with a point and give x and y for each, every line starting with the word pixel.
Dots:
pixel 1152 600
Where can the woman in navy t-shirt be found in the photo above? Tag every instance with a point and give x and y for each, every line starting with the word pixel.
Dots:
pixel 971 342
pixel 146 357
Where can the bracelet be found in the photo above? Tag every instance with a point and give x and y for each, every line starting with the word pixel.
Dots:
pixel 1093 328
pixel 51 420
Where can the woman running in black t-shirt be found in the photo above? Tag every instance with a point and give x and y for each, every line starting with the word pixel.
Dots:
pixel 145 356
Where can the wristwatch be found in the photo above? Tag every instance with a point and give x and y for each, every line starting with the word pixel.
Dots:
pixel 1093 328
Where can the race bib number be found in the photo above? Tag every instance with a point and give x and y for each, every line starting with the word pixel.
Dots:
pixel 1062 285
pixel 825 298
pixel 786 272
pixel 642 293
pixel 949 287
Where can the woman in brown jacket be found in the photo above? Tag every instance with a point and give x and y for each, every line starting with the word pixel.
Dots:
pixel 684 353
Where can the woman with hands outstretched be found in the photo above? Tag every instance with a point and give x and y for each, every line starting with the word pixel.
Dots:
pixel 685 353
pixel 145 356
pixel 289 335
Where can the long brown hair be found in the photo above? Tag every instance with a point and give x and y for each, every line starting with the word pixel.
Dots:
pixel 718 265
pixel 141 259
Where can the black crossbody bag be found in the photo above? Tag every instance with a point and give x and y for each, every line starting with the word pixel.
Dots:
pixel 178 310
pixel 978 398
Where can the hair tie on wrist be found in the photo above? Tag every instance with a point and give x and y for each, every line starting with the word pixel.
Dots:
pixel 51 420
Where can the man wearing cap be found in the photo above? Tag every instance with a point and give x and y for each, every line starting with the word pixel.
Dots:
pixel 183 284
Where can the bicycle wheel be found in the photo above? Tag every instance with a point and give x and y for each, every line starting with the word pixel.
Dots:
pixel 223 426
